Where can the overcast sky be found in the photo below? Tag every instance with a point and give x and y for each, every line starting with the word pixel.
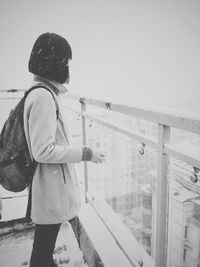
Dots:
pixel 122 49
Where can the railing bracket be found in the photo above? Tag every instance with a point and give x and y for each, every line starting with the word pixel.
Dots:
pixel 194 176
pixel 108 105
pixel 141 150
pixel 82 100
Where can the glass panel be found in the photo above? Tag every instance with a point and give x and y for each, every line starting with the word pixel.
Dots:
pixel 127 179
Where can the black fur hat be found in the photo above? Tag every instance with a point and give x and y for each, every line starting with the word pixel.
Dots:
pixel 49 57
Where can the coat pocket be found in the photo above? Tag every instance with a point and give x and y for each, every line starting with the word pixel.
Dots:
pixel 63 173
pixel 73 198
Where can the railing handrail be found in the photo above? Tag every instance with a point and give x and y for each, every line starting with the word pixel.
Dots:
pixel 172 117
pixel 177 118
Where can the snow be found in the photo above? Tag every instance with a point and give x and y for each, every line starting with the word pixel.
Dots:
pixel 15 249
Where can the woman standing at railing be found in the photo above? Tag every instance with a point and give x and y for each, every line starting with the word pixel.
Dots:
pixel 55 196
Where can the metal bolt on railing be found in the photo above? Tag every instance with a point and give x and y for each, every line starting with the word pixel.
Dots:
pixel 90 125
pixel 82 100
pixel 79 115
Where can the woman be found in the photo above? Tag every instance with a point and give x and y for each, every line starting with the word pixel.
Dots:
pixel 1 206
pixel 55 195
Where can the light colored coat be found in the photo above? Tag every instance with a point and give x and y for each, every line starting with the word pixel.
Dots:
pixel 55 193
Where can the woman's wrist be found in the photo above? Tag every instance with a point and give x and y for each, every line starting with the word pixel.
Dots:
pixel 87 154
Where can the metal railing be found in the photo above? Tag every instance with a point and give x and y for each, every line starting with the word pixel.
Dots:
pixel 165 119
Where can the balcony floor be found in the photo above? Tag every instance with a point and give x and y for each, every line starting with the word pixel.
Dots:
pixel 15 249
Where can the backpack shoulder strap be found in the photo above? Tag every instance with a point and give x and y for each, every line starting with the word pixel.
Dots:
pixel 42 86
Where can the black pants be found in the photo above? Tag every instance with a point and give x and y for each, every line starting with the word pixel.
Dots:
pixel 44 244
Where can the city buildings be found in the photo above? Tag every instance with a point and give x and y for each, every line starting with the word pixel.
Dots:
pixel 184 218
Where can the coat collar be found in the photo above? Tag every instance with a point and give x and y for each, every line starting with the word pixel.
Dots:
pixel 57 88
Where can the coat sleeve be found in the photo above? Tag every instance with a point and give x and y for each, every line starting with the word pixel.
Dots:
pixel 1 206
pixel 42 131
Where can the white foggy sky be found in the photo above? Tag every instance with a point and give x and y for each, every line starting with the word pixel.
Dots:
pixel 122 49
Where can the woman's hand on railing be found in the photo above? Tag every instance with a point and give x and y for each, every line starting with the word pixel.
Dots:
pixel 98 156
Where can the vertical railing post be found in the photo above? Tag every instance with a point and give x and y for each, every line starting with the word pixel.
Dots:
pixel 83 110
pixel 162 197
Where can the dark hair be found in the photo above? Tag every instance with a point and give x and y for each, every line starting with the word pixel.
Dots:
pixel 49 57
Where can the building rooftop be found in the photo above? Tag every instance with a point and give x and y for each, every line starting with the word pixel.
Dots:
pixel 15 248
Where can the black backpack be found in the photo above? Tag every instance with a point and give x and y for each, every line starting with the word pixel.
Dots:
pixel 16 166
